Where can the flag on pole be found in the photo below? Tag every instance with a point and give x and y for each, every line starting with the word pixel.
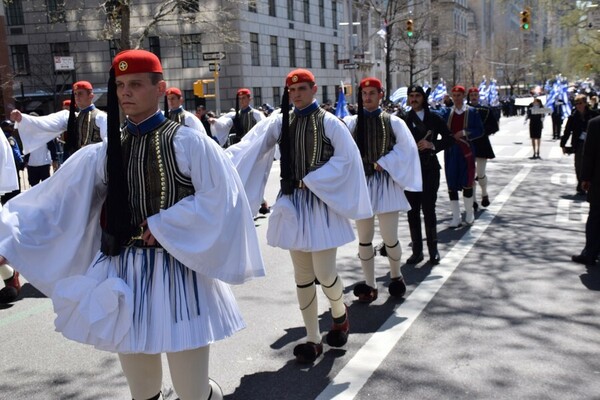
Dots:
pixel 483 92
pixel 439 92
pixel 341 108
pixel 399 94
pixel 493 98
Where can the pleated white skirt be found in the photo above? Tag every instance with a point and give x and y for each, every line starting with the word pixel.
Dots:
pixel 301 221
pixel 385 194
pixel 144 301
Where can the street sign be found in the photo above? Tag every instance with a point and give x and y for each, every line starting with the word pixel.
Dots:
pixel 217 55
pixel 351 66
pixel 64 63
pixel 344 61
pixel 214 67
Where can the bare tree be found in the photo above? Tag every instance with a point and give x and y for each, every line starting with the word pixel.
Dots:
pixel 214 19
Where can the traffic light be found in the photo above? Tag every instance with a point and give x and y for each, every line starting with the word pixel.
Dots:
pixel 409 27
pixel 525 20
pixel 198 89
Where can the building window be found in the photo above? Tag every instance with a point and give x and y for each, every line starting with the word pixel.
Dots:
pixel 189 6
pixel 272 8
pixel 323 56
pixel 20 58
pixel 191 50
pixel 252 7
pixel 307 11
pixel 274 52
pixel 254 54
pixel 336 56
pixel 325 92
pixel 308 48
pixel 154 45
pixel 257 96
pixel 189 100
pixel 290 9
pixel 56 11
pixel 276 97
pixel 14 13
pixel 334 15
pixel 292 43
pixel 322 12
pixel 58 50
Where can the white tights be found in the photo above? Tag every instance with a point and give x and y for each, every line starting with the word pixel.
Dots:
pixel 319 265
pixel 189 373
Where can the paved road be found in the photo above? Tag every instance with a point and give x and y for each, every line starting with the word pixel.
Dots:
pixel 505 315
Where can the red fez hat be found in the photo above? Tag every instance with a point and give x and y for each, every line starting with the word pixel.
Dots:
pixel 473 90
pixel 299 76
pixel 136 61
pixel 371 82
pixel 82 85
pixel 243 92
pixel 66 103
pixel 174 91
pixel 459 88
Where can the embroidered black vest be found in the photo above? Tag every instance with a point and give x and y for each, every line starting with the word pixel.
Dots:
pixel 310 147
pixel 88 131
pixel 247 121
pixel 380 139
pixel 154 181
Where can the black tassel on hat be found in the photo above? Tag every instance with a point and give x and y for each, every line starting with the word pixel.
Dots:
pixel 361 134
pixel 285 146
pixel 167 113
pixel 71 139
pixel 237 121
pixel 118 229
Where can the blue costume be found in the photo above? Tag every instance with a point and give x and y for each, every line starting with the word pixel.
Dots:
pixel 459 159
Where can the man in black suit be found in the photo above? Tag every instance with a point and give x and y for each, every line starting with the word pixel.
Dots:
pixel 590 182
pixel 432 136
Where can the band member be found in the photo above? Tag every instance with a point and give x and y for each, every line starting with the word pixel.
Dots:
pixel 391 165
pixel 323 187
pixel 134 263
pixel 432 136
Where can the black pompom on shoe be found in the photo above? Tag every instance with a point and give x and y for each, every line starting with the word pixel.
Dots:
pixel 397 287
pixel 338 335
pixel 307 353
pixel 365 293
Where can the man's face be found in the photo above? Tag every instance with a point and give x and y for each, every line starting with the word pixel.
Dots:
pixel 580 106
pixel 83 98
pixel 138 97
pixel 415 101
pixel 174 101
pixel 458 98
pixel 371 97
pixel 244 101
pixel 301 94
pixel 474 98
pixel 200 112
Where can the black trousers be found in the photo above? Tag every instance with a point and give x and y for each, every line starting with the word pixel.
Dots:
pixel 425 201
pixel 37 174
pixel 592 233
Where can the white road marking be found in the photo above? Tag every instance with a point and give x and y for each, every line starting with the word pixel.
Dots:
pixel 564 208
pixel 348 382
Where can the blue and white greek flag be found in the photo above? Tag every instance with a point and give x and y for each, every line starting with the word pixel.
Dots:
pixel 493 99
pixel 483 92
pixel 439 92
pixel 399 94
pixel 341 108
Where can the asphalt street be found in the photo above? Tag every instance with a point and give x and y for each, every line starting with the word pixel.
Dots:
pixel 506 314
